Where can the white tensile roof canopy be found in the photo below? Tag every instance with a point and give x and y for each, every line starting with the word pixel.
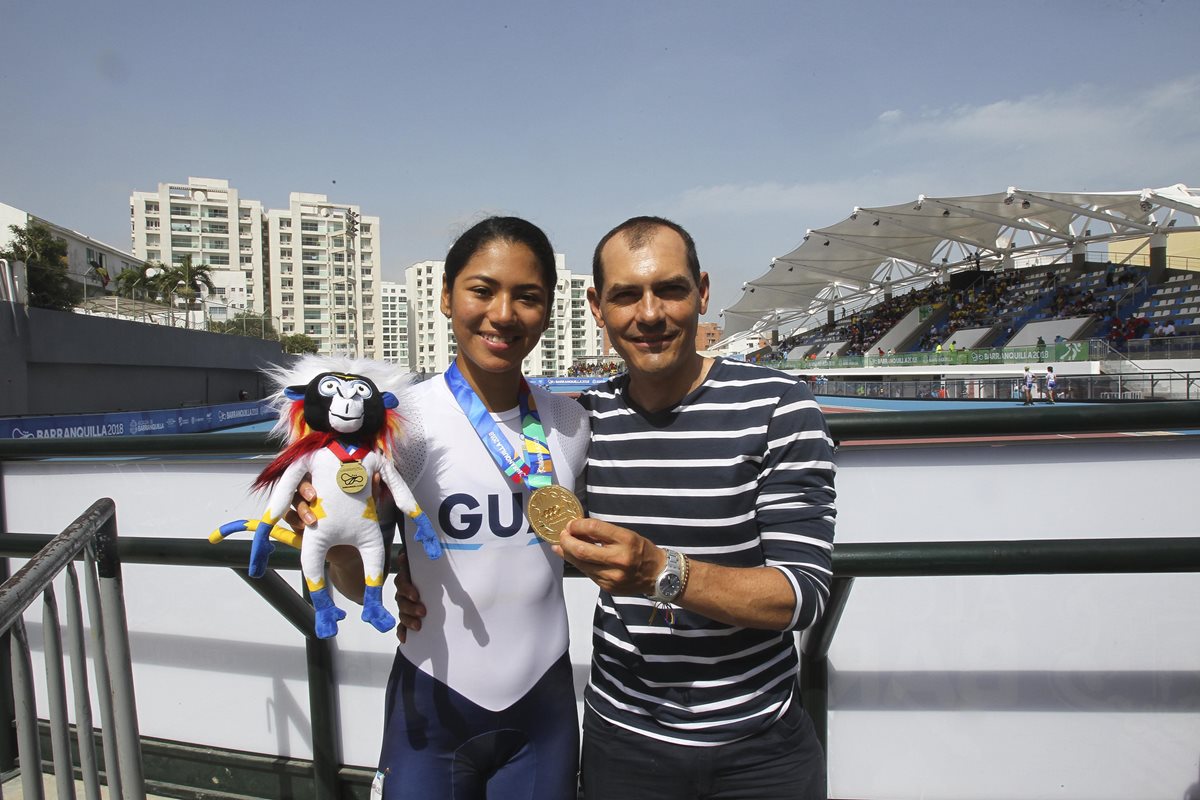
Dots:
pixel 853 262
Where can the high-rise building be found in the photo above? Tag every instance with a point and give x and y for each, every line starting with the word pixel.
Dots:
pixel 393 302
pixel 325 268
pixel 207 220
pixel 312 268
pixel 572 336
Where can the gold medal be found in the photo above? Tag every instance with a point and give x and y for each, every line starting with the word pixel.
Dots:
pixel 550 509
pixel 352 477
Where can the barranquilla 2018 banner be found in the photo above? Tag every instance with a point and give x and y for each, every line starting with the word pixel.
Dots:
pixel 136 423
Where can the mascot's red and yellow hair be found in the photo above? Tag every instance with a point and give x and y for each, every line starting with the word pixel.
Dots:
pixel 301 437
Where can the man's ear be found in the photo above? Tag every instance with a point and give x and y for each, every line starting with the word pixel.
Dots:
pixel 593 298
pixel 703 292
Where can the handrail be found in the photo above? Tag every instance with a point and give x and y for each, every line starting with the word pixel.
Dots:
pixel 91 537
pixel 22 589
pixel 850 561
pixel 961 558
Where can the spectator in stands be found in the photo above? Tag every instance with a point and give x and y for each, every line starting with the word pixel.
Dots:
pixel 1041 349
pixel 1169 328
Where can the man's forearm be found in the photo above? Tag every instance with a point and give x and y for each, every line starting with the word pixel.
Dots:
pixel 752 597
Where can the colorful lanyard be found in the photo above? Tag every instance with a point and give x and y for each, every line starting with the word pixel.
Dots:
pixel 533 436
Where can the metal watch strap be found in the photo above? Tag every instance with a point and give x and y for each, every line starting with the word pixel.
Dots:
pixel 676 565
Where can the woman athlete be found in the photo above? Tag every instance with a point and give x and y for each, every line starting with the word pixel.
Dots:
pixel 480 702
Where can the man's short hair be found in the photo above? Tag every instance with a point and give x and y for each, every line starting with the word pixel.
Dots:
pixel 638 232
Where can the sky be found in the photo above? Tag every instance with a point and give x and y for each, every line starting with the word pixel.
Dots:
pixel 747 122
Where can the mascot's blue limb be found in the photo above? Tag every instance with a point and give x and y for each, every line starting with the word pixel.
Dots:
pixel 374 612
pixel 427 536
pixel 261 550
pixel 230 528
pixel 328 615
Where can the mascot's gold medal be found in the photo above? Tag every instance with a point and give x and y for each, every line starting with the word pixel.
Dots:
pixel 550 509
pixel 352 477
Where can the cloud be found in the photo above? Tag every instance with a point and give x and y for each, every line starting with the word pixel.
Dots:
pixel 1083 138
pixel 817 203
pixel 1075 135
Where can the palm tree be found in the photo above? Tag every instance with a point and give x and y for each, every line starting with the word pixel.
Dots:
pixel 185 280
pixel 131 279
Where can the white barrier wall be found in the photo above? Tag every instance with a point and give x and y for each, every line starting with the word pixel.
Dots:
pixel 1025 686
pixel 985 687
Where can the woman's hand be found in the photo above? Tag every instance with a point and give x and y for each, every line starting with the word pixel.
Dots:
pixel 408 600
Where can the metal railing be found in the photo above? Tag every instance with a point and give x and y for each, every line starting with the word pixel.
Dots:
pixel 850 561
pixel 962 559
pixel 1145 386
pixel 93 537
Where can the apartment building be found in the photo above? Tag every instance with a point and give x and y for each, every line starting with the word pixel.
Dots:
pixel 393 302
pixel 325 272
pixel 84 254
pixel 312 268
pixel 572 335
pixel 206 219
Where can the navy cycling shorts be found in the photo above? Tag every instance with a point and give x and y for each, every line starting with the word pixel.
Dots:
pixel 438 744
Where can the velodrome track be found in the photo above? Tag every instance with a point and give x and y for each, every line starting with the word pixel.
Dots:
pixel 852 405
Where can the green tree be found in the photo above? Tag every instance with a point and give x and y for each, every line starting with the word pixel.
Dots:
pixel 133 281
pixel 45 257
pixel 186 280
pixel 257 326
pixel 298 343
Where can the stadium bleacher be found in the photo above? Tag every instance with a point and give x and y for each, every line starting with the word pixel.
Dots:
pixel 1011 308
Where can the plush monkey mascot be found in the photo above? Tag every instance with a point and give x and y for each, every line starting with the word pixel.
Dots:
pixel 340 429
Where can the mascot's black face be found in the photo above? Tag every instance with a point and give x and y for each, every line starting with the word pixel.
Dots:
pixel 348 404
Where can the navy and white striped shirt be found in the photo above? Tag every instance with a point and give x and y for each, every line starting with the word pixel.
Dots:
pixel 739 473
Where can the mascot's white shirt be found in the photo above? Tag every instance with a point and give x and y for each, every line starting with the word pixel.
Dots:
pixel 496 619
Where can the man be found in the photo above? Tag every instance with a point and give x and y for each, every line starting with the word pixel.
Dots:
pixel 1027 387
pixel 709 530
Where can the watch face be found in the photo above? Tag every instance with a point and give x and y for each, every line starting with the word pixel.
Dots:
pixel 669 585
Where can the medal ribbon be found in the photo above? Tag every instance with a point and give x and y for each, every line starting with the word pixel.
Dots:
pixel 344 455
pixel 533 435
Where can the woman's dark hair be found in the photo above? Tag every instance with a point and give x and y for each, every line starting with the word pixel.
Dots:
pixel 505 229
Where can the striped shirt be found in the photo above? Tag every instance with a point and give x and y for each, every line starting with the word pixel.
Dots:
pixel 739 473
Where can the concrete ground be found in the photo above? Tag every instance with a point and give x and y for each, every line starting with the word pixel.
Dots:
pixel 13 789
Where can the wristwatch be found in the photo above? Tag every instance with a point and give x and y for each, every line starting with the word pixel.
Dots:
pixel 671 582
